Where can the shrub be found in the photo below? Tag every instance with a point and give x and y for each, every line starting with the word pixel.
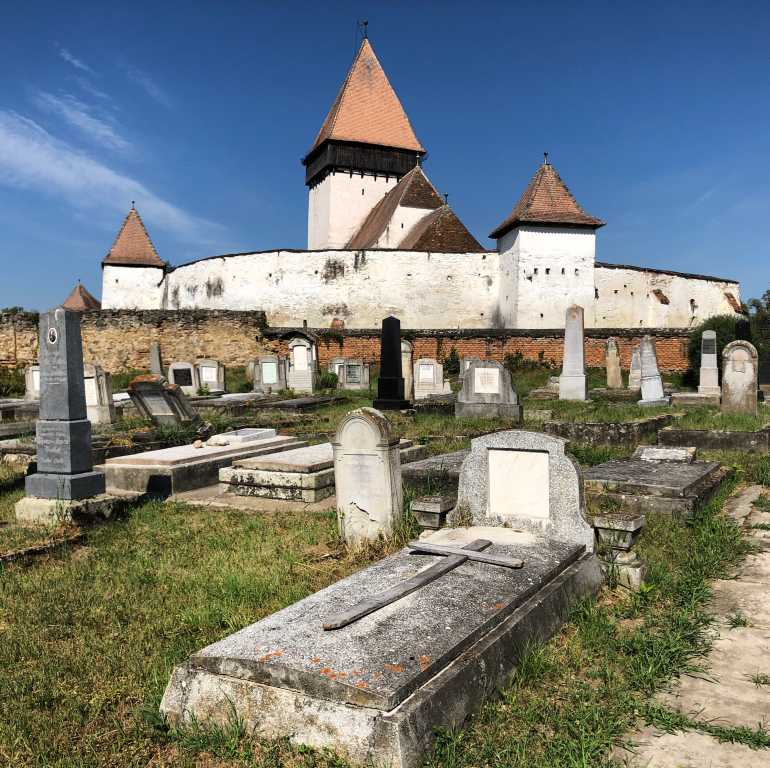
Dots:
pixel 327 380
pixel 12 382
pixel 452 363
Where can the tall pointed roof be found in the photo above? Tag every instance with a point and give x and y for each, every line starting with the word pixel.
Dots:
pixel 81 299
pixel 367 109
pixel 132 246
pixel 547 201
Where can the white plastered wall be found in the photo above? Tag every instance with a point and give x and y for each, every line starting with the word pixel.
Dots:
pixel 132 287
pixel 403 219
pixel 339 204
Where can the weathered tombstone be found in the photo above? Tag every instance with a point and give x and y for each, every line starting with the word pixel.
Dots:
pixel 429 379
pixel 526 481
pixel 465 363
pixel 487 392
pixel 269 374
pixel 390 385
pixel 572 382
pixel 100 407
pixel 32 382
pixel 156 361
pixel 64 464
pixel 211 375
pixel 352 374
pixel 635 373
pixel 406 369
pixel 739 378
pixel 709 369
pixel 301 375
pixel 185 377
pixel 652 384
pixel 160 401
pixel 612 362
pixel 367 476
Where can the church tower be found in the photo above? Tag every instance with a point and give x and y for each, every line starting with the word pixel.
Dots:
pixel 365 145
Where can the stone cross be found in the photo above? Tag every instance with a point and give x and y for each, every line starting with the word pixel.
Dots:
pixel 390 385
pixel 64 462
pixel 709 369
pixel 156 362
pixel 739 378
pixel 487 392
pixel 635 372
pixel 572 382
pixel 612 362
pixel 367 476
pixel 652 384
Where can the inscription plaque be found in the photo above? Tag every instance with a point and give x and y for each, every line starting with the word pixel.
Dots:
pixel 486 381
pixel 270 373
pixel 426 373
pixel 518 483
pixel 709 346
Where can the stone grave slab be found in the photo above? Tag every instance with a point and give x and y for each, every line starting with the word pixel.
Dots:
pixel 161 402
pixel 243 435
pixel 377 689
pixel 640 485
pixel 184 467
pixel 444 465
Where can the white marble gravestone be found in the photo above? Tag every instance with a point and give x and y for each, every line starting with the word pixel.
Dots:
pixel 429 379
pixel 406 369
pixel 98 387
pixel 572 382
pixel 269 374
pixel 301 376
pixel 612 362
pixel 487 392
pixel 526 481
pixel 367 476
pixel 709 367
pixel 211 374
pixel 652 384
pixel 739 377
pixel 32 382
pixel 635 373
pixel 185 376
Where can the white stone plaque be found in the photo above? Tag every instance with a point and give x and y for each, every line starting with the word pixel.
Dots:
pixel 426 373
pixel 300 358
pixel 36 379
pixel 157 405
pixel 270 372
pixel 486 381
pixel 209 374
pixel 519 484
pixel 92 396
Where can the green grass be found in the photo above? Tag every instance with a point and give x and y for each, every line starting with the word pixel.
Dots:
pixel 713 418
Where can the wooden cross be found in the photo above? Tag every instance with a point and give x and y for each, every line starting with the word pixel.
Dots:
pixel 455 557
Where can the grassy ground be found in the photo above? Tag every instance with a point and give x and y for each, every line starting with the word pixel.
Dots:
pixel 713 418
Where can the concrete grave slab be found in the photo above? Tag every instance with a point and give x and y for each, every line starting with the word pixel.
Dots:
pixel 443 465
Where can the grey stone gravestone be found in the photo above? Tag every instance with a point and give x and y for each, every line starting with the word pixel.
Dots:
pixel 269 374
pixel 572 382
pixel 406 369
pixel 64 464
pixel 185 376
pixel 160 401
pixel 212 375
pixel 487 392
pixel 32 382
pixel 429 379
pixel 367 476
pixel 100 407
pixel 301 376
pixel 709 368
pixel 652 384
pixel 156 361
pixel 612 362
pixel 635 373
pixel 739 378
pixel 526 481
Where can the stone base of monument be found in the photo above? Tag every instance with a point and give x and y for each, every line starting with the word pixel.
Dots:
pixel 69 487
pixel 38 511
pixel 376 690
pixel 659 403
pixel 572 388
pixel 302 474
pixel 614 395
pixel 431 511
pixel 186 467
pixel 511 411
pixel 694 399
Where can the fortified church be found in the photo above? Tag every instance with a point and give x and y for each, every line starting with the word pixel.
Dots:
pixel 382 240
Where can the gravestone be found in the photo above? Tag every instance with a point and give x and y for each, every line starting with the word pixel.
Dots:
pixel 212 375
pixel 98 390
pixel 390 385
pixel 367 476
pixel 185 377
pixel 526 481
pixel 351 374
pixel 572 382
pixel 156 361
pixel 612 362
pixel 487 392
pixel 160 401
pixel 429 379
pixel 709 369
pixel 652 384
pixel 302 375
pixel 64 465
pixel 739 378
pixel 635 373
pixel 406 369
pixel 269 374
pixel 32 382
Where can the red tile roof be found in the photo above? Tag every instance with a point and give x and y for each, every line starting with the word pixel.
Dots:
pixel 441 232
pixel 81 300
pixel 133 246
pixel 547 201
pixel 367 109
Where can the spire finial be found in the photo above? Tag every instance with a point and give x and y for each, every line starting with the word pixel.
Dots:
pixel 133 205
pixel 364 26
pixel 446 198
pixel 545 158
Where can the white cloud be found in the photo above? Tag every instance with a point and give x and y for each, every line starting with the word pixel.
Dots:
pixel 82 117
pixel 75 62
pixel 92 90
pixel 149 85
pixel 32 158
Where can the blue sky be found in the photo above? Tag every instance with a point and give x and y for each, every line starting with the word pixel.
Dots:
pixel 657 115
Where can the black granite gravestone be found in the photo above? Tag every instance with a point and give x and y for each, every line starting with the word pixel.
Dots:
pixel 64 463
pixel 390 386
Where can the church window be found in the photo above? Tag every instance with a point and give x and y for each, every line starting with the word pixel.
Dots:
pixel 577 271
pixel 541 314
pixel 362 190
